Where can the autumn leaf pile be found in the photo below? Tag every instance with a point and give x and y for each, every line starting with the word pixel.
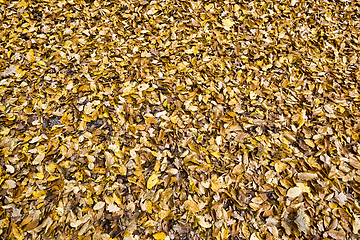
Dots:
pixel 179 119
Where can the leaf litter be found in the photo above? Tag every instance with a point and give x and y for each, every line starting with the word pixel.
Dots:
pixel 179 119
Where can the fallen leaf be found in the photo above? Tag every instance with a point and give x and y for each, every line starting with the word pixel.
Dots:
pixel 203 223
pixel 227 23
pixel 159 236
pixel 294 192
pixel 113 208
pixel 99 205
pixel 152 181
pixel 9 184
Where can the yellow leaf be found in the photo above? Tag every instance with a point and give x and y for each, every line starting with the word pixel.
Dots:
pixel 261 138
pixel 309 143
pixel 50 168
pixel 301 121
pixel 224 233
pixel 233 101
pixel 40 176
pixel 159 236
pixel 232 114
pixel 303 187
pixel 30 56
pixel 109 159
pixel 193 108
pixel 227 23
pixel 190 51
pixel 112 208
pixel 164 213
pixel 328 17
pixel 9 184
pixel 52 178
pixel 42 63
pixel 237 169
pixel 122 170
pixel 39 159
pixel 148 206
pixel 26 221
pixel 280 166
pixel 356 225
pixel 192 206
pixel 117 199
pixel 236 8
pixel 216 154
pixel 254 237
pixel 153 179
pixel 67 45
pixel 253 95
pixel 63 150
pixel 37 194
pixel 173 119
pixel 209 6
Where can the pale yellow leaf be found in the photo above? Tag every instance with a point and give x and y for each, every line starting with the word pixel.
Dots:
pixel 99 205
pixel 227 23
pixel 112 208
pixel 306 176
pixel 109 159
pixel 39 159
pixel 192 206
pixel 294 192
pixel 9 184
pixel 280 166
pixel 304 187
pixel 356 225
pixel 203 223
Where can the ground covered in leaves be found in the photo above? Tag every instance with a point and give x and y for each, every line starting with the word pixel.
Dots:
pixel 179 119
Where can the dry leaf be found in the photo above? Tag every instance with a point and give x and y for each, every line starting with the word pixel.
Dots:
pixel 192 206
pixel 301 221
pixel 8 184
pixel 159 236
pixel 112 208
pixel 227 23
pixel 294 192
pixel 11 70
pixel 203 223
pixel 152 181
pixel 99 205
pixel 306 176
